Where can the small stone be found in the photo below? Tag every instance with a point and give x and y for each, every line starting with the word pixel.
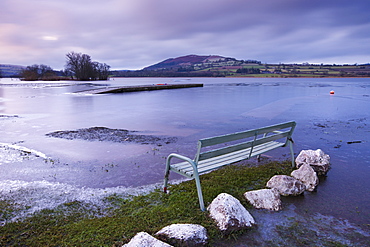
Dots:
pixel 143 239
pixel 264 198
pixel 184 235
pixel 229 213
pixel 317 159
pixel 286 185
pixel 307 176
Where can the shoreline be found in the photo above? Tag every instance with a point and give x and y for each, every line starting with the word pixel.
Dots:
pixel 231 76
pixel 79 222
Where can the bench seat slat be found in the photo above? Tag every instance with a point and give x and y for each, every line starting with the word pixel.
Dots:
pixel 242 146
pixel 271 138
pixel 225 150
pixel 213 163
pixel 222 160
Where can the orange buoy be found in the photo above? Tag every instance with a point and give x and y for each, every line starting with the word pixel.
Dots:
pixel 331 92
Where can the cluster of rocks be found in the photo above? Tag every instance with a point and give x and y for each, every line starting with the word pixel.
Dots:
pixel 230 214
pixel 310 164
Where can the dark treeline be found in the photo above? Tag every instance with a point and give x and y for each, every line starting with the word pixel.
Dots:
pixel 165 73
pixel 248 71
pixel 38 72
pixel 78 67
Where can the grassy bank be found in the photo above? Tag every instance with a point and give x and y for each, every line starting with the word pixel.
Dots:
pixel 73 223
pixel 70 225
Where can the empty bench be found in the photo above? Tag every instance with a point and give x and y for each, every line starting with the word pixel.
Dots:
pixel 218 151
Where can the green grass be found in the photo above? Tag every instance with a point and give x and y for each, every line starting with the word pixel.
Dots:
pixel 71 225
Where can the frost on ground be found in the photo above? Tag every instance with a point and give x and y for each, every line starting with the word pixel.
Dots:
pixel 20 199
pixel 10 153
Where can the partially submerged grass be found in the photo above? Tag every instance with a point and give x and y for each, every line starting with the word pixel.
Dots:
pixel 302 233
pixel 72 225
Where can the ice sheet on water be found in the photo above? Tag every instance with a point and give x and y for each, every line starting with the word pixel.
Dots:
pixel 15 153
pixel 10 156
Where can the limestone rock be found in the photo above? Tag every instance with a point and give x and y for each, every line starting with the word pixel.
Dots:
pixel 265 198
pixel 184 234
pixel 307 176
pixel 317 159
pixel 143 239
pixel 229 213
pixel 286 185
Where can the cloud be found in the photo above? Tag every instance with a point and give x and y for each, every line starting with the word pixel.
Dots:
pixel 135 34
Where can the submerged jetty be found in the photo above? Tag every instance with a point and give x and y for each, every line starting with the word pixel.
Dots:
pixel 126 89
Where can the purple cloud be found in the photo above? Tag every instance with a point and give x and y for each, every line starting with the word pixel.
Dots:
pixel 135 34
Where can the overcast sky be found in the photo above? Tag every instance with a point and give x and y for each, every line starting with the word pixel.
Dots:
pixel 132 34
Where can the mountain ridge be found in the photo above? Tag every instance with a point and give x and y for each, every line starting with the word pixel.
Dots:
pixel 192 61
pixel 220 66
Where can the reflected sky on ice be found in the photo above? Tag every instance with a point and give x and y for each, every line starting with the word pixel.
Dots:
pixel 28 111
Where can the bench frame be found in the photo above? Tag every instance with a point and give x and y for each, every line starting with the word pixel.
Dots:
pixel 219 151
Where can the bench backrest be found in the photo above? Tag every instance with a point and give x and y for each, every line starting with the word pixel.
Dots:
pixel 219 145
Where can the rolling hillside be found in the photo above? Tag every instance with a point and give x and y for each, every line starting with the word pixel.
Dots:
pixel 196 62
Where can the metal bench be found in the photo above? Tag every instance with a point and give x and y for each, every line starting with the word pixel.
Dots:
pixel 215 152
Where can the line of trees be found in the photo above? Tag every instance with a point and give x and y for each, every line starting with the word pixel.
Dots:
pixel 38 72
pixel 81 67
pixel 248 71
pixel 78 66
pixel 166 73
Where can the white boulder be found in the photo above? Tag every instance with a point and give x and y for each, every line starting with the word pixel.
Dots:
pixel 264 198
pixel 307 176
pixel 229 213
pixel 143 239
pixel 286 185
pixel 317 159
pixel 184 235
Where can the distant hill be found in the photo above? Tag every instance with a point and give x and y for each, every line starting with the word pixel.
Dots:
pixel 196 62
pixel 219 66
pixel 194 66
pixel 7 70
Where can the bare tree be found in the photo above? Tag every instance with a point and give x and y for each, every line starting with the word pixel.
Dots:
pixel 79 65
pixel 103 71
pixel 82 68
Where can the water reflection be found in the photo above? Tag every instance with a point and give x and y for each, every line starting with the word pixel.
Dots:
pixel 2 107
pixel 222 106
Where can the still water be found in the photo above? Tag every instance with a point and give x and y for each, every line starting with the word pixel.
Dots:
pixel 88 170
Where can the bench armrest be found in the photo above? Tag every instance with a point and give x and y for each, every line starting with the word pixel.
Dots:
pixel 181 157
pixel 195 175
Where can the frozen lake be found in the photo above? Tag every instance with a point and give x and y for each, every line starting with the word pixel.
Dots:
pixel 88 170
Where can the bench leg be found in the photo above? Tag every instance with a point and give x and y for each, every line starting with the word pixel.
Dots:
pixel 200 195
pixel 166 175
pixel 291 152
